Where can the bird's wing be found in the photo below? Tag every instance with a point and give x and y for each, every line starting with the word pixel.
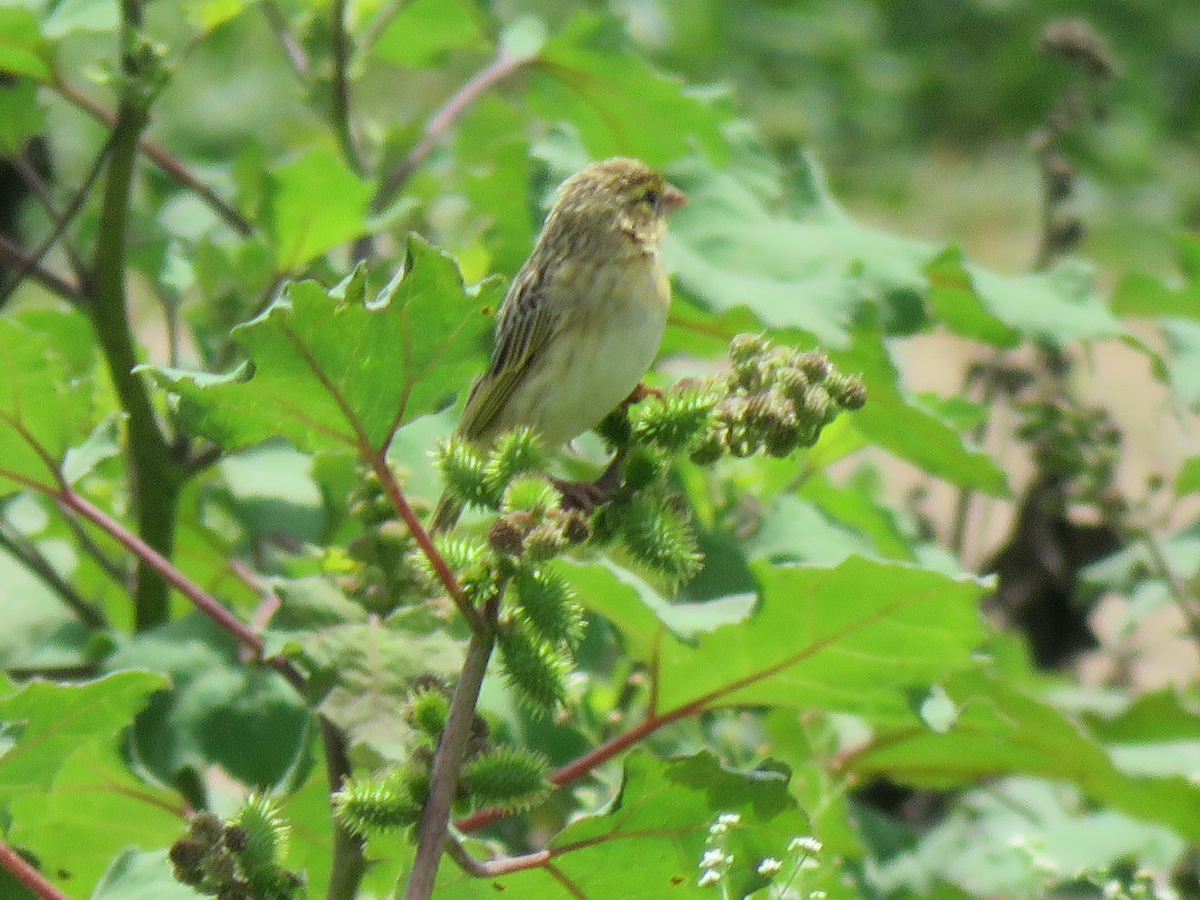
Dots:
pixel 524 329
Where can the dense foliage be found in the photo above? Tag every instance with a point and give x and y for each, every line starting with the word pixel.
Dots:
pixel 251 257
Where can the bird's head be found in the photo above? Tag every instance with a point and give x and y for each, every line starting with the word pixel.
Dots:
pixel 616 196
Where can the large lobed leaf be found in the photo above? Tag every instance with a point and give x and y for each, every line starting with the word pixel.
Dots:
pixel 51 721
pixel 329 370
pixel 865 637
pixel 46 404
pixel 1001 730
pixel 648 844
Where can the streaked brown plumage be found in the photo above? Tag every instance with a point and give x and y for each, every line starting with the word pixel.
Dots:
pixel 582 321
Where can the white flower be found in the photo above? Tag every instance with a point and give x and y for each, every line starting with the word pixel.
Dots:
pixel 809 863
pixel 807 843
pixel 712 858
pixel 712 876
pixel 716 829
pixel 817 895
pixel 729 819
pixel 769 866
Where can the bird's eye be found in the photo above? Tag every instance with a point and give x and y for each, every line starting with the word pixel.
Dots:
pixel 653 197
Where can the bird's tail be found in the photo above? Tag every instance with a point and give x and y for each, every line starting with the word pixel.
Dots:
pixel 445 516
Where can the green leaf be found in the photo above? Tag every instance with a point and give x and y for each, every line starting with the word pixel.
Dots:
pixel 588 77
pixel 327 373
pixel 313 205
pixel 273 493
pixel 23 50
pixel 1183 339
pixel 94 810
pixel 650 841
pixel 999 730
pixel 20 115
pixel 1188 479
pixel 424 30
pixel 954 299
pixel 899 424
pixel 793 530
pixel 860 637
pixel 217 711
pixel 53 720
pixel 43 410
pixel 141 876
pixel 366 669
pixel 1144 296
pixel 858 504
pixel 813 265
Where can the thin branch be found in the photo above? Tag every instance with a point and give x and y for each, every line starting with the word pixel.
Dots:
pixel 382 19
pixel 387 478
pixel 37 184
pixel 441 121
pixel 28 875
pixel 119 574
pixel 349 861
pixel 62 222
pixel 339 110
pixel 14 256
pixel 169 164
pixel 278 23
pixel 447 762
pixel 492 868
pixel 28 555
pixel 73 502
pixel 1184 598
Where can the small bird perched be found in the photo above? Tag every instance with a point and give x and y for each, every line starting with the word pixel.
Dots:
pixel 582 321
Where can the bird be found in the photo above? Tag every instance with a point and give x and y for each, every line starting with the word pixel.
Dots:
pixel 582 321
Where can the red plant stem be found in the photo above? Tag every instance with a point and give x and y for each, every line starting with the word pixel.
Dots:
pixel 572 771
pixel 444 573
pixel 204 601
pixel 164 160
pixel 28 875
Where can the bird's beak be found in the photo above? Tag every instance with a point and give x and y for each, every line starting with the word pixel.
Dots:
pixel 673 199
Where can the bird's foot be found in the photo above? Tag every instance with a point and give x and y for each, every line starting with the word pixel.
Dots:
pixel 588 496
pixel 640 393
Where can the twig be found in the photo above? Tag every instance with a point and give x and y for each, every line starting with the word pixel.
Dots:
pixel 33 179
pixel 372 32
pixel 445 574
pixel 277 22
pixel 1180 593
pixel 499 69
pixel 164 160
pixel 19 259
pixel 121 575
pixel 27 554
pixel 71 501
pixel 349 861
pixel 28 875
pixel 492 868
pixel 62 221
pixel 447 762
pixel 339 110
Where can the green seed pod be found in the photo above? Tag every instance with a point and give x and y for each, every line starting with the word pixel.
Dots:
pixel 508 777
pixel 518 452
pixel 709 449
pixel 534 670
pixel 549 605
pixel 575 527
pixel 642 468
pixel 506 536
pixel 427 711
pixel 464 472
pixel 374 805
pixel 531 494
pixel 544 542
